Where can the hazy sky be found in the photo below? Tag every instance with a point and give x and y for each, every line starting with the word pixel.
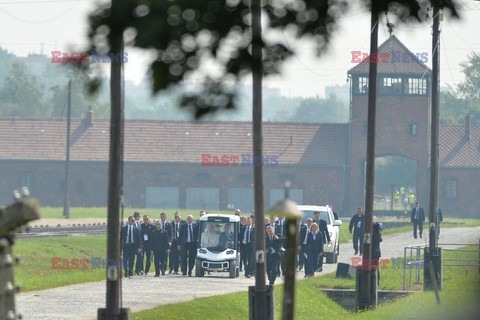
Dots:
pixel 29 25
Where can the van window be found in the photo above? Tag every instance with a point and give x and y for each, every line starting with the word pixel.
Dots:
pixel 323 216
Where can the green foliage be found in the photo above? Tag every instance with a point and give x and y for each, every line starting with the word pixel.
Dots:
pixel 330 110
pixel 41 91
pixel 21 94
pixel 456 103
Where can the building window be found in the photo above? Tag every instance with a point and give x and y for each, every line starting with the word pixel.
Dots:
pixel 361 85
pixel 203 177
pixel 390 86
pixel 412 129
pixel 451 191
pixel 27 180
pixel 416 86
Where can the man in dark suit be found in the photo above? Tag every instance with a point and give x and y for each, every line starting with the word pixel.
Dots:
pixel 188 245
pixel 242 246
pixel 165 224
pixel 302 229
pixel 160 245
pixel 335 215
pixel 357 223
pixel 174 258
pixel 417 218
pixel 131 245
pixel 303 244
pixel 376 252
pixel 323 232
pixel 281 231
pixel 248 241
pixel 139 254
pixel 227 237
pixel 273 244
pixel 147 229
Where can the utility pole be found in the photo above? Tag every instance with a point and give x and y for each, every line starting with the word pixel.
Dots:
pixel 260 290
pixel 392 186
pixel 433 253
pixel 113 309
pixel 366 278
pixel 66 204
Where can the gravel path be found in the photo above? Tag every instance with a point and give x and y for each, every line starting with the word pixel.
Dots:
pixel 145 292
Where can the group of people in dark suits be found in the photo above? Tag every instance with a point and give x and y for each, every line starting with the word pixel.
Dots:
pixel 312 237
pixel 174 241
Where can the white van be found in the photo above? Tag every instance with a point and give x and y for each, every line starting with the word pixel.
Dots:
pixel 326 214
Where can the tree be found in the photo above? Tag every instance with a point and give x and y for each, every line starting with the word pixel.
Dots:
pixel 81 100
pixel 187 34
pixel 463 100
pixel 320 110
pixel 22 94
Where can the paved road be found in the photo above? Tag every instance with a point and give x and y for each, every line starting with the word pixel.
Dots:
pixel 82 301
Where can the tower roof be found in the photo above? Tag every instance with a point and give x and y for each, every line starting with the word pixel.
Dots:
pixel 400 60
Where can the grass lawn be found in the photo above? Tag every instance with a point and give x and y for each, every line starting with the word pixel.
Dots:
pixel 35 269
pixel 447 223
pixel 101 212
pixel 461 288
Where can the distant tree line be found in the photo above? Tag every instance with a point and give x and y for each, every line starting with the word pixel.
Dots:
pixel 42 93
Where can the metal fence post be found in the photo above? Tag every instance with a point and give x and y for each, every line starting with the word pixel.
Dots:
pixel 417 266
pixel 404 269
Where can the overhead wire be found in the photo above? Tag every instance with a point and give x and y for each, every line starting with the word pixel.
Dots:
pixel 61 14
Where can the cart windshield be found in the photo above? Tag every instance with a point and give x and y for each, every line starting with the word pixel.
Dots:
pixel 217 236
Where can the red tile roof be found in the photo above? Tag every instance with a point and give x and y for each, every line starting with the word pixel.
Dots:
pixel 391 46
pixel 170 141
pixel 456 150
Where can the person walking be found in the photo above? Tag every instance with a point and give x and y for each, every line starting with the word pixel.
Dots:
pixel 273 244
pixel 314 248
pixel 188 245
pixel 147 228
pixel 160 244
pixel 356 224
pixel 376 253
pixel 323 231
pixel 130 245
pixel 174 256
pixel 417 218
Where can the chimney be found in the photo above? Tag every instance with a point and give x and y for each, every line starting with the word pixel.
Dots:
pixel 89 117
pixel 468 124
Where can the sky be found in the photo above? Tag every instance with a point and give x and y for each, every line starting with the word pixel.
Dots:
pixel 36 26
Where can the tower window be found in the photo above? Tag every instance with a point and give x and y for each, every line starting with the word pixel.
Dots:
pixel 390 86
pixel 361 85
pixel 412 129
pixel 416 86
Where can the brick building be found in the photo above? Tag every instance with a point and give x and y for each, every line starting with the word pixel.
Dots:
pixel 325 162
